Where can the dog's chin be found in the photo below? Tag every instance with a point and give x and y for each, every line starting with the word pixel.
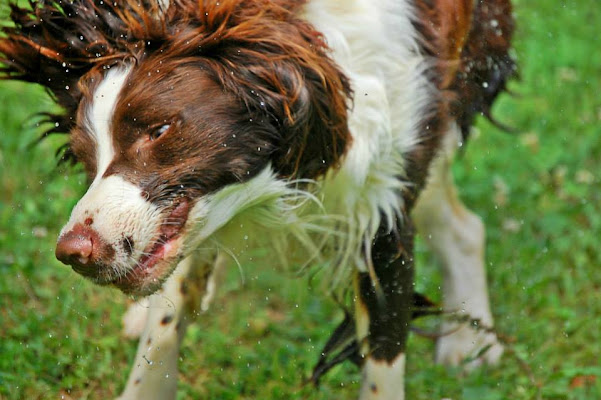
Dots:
pixel 149 273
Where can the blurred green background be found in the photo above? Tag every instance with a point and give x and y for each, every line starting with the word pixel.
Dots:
pixel 539 192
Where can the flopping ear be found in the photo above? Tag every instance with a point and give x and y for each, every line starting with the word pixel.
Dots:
pixel 306 101
pixel 56 43
pixel 280 68
pixel 52 43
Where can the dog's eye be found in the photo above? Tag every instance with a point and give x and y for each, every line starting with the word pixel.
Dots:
pixel 155 134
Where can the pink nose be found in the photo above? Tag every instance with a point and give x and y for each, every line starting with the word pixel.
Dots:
pixel 81 248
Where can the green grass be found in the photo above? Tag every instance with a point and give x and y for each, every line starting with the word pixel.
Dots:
pixel 539 193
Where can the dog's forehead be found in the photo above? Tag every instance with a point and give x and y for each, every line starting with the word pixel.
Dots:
pixel 162 88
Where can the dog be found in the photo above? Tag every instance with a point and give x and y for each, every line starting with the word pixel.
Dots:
pixel 320 129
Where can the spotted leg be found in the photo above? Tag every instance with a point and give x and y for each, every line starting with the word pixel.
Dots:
pixel 183 296
pixel 383 312
pixel 456 236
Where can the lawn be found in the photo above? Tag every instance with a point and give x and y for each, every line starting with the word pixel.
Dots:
pixel 539 191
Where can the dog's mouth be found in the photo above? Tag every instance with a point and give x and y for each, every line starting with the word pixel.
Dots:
pixel 160 257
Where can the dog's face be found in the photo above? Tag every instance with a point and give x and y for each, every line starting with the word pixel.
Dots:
pixel 155 139
pixel 169 108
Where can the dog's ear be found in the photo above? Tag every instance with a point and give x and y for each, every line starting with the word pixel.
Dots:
pixel 279 66
pixel 52 43
pixel 55 43
pixel 305 95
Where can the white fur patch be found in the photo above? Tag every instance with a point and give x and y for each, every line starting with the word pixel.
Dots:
pixel 100 114
pixel 265 211
pixel 383 381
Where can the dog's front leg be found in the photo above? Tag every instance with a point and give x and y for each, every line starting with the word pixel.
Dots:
pixel 183 296
pixel 383 311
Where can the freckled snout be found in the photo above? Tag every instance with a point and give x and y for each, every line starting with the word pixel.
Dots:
pixel 84 250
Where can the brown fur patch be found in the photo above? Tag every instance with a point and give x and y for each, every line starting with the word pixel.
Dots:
pixel 471 65
pixel 470 45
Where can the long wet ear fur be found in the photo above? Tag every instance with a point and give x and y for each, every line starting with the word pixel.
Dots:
pixel 276 64
pixel 279 66
pixel 56 43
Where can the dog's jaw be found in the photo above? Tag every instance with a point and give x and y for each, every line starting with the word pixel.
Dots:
pixel 160 257
pixel 146 277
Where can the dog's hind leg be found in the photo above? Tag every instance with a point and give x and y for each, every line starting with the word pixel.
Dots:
pixel 456 236
pixel 383 312
pixel 184 295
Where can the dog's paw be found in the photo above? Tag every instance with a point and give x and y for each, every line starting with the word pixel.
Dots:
pixel 462 345
pixel 134 319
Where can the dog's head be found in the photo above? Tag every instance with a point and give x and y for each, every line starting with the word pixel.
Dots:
pixel 167 104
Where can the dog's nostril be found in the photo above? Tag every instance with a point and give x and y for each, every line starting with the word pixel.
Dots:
pixel 85 250
pixel 128 244
pixel 75 247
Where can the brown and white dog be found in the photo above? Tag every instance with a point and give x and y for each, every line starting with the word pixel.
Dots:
pixel 207 127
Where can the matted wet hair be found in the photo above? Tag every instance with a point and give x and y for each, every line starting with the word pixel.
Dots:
pixel 275 63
